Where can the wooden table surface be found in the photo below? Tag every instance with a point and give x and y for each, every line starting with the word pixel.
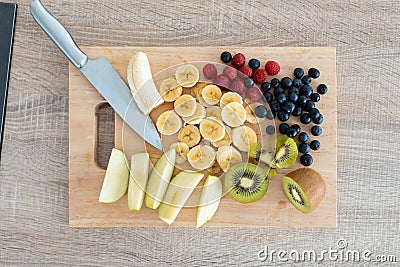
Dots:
pixel 34 162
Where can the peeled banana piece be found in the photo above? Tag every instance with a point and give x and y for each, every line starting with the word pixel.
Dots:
pixel 185 105
pixel 170 90
pixel 201 157
pixel 211 94
pixel 140 81
pixel 228 156
pixel 168 123
pixel 212 129
pixel 230 97
pixel 233 114
pixel 190 135
pixel 243 137
pixel 181 151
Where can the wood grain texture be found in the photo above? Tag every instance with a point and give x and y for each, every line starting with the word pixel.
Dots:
pixel 86 177
pixel 34 227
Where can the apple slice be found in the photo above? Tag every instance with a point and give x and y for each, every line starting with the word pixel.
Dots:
pixel 116 179
pixel 140 168
pixel 179 190
pixel 159 179
pixel 209 200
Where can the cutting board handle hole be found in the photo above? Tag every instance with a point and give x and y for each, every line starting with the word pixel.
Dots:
pixel 105 132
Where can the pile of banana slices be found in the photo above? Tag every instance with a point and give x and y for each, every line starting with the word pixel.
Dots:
pixel 209 123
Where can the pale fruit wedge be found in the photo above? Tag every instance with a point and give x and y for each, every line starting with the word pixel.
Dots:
pixel 159 179
pixel 179 190
pixel 116 179
pixel 141 83
pixel 209 200
pixel 140 167
pixel 187 75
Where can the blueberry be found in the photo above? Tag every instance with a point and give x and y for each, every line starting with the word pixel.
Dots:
pixel 306 90
pixel 298 73
pixel 278 91
pixel 288 107
pixel 286 83
pixel 292 97
pixel 283 128
pixel 314 113
pixel 322 89
pixel 309 105
pixel 296 127
pixel 306 160
pixel 281 98
pixel 270 115
pixel 319 119
pixel 291 133
pixel 265 87
pixel 293 90
pixel 268 97
pixel 270 129
pixel 315 145
pixel 297 82
pixel 313 73
pixel 316 130
pixel 275 106
pixel 260 111
pixel 248 82
pixel 282 116
pixel 305 119
pixel 315 97
pixel 301 100
pixel 226 57
pixel 275 82
pixel 304 148
pixel 254 63
pixel 303 137
pixel 297 111
pixel 306 79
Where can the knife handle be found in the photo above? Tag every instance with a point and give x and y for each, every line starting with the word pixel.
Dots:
pixel 60 36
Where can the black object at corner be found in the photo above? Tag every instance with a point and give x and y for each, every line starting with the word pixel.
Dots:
pixel 7 23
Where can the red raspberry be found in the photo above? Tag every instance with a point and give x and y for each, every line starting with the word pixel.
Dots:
pixel 230 72
pixel 209 71
pixel 254 94
pixel 238 60
pixel 259 75
pixel 237 86
pixel 272 67
pixel 222 81
pixel 246 70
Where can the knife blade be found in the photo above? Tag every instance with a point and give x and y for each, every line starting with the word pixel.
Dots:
pixel 101 74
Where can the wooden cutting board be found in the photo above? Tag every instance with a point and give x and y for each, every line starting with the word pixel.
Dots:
pixel 85 177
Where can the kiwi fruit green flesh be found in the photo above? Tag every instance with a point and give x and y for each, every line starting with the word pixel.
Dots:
pixel 286 154
pixel 305 188
pixel 272 173
pixel 255 152
pixel 246 182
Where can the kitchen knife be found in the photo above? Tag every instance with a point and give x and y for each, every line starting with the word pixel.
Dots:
pixel 100 73
pixel 7 23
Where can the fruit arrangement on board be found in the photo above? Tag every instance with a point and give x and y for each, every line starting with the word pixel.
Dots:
pixel 220 127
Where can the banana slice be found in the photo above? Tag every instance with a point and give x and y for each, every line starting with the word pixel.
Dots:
pixel 214 111
pixel 228 156
pixel 250 116
pixel 190 135
pixel 203 103
pixel 212 129
pixel 181 151
pixel 243 137
pixel 187 75
pixel 215 168
pixel 234 114
pixel 226 140
pixel 196 90
pixel 211 94
pixel 185 105
pixel 198 115
pixel 230 97
pixel 169 123
pixel 170 90
pixel 201 157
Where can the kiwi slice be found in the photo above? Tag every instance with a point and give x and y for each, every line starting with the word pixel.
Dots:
pixel 286 154
pixel 255 151
pixel 305 188
pixel 258 154
pixel 272 173
pixel 246 182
